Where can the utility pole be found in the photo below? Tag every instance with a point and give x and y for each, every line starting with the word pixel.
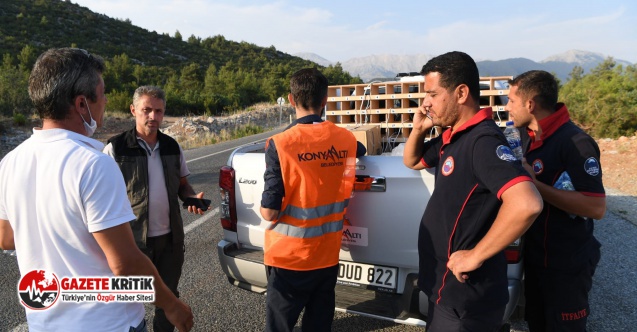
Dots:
pixel 280 101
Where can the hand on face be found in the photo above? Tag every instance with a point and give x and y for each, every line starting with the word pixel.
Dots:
pixel 422 119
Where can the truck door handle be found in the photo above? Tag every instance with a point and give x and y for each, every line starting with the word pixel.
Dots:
pixel 370 183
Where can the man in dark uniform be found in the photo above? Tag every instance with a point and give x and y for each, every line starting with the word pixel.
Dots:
pixel 483 200
pixel 560 251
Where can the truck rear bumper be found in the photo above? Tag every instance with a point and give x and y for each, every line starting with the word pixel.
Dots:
pixel 398 308
pixel 245 269
pixel 515 290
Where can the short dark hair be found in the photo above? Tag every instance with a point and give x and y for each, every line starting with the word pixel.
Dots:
pixel 149 90
pixel 61 74
pixel 538 85
pixel 455 68
pixel 308 87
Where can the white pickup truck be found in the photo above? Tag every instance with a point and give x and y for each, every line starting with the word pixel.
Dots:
pixel 379 254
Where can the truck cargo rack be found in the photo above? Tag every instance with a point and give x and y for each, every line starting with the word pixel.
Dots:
pixel 391 105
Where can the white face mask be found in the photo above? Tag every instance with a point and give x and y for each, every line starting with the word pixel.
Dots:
pixel 90 128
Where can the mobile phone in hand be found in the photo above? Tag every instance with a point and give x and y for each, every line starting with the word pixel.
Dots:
pixel 197 202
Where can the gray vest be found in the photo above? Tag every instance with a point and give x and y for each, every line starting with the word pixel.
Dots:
pixel 133 162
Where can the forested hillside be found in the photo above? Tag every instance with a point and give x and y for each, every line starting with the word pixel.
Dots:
pixel 215 75
pixel 210 75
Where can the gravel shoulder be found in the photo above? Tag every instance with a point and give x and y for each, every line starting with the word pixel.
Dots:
pixel 622 204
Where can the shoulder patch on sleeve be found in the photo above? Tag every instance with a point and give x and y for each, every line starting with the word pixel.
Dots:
pixel 591 166
pixel 504 152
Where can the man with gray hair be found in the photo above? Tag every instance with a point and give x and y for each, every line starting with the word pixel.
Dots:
pixel 155 172
pixel 63 205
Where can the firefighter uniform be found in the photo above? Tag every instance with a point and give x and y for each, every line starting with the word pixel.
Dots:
pixel 560 250
pixel 309 178
pixel 475 165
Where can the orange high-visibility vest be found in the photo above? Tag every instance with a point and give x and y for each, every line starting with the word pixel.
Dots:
pixel 318 168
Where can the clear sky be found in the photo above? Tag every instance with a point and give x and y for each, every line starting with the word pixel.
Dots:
pixel 340 30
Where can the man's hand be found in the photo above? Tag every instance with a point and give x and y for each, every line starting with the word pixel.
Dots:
pixel 180 315
pixel 125 259
pixel 414 147
pixel 6 236
pixel 528 168
pixel 461 263
pixel 196 210
pixel 422 119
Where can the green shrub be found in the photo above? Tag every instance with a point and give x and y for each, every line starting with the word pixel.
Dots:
pixel 119 101
pixel 247 130
pixel 603 102
pixel 19 119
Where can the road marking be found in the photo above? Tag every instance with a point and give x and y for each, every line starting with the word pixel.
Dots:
pixel 222 151
pixel 210 214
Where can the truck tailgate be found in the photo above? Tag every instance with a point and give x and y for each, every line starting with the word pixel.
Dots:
pixel 387 220
pixel 384 224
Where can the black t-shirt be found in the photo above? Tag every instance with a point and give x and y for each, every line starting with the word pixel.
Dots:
pixel 475 165
pixel 556 239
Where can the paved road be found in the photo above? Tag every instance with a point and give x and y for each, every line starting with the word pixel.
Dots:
pixel 218 306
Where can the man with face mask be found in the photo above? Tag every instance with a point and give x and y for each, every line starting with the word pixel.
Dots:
pixel 89 126
pixel 63 204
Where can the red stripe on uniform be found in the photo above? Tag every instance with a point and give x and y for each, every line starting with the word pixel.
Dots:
pixel 422 161
pixel 593 194
pixel 451 238
pixel 513 182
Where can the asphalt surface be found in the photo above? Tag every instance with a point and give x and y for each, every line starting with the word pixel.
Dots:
pixel 219 306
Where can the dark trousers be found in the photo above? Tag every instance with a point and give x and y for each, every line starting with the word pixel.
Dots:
pixel 141 327
pixel 557 300
pixel 168 258
pixel 291 291
pixel 441 318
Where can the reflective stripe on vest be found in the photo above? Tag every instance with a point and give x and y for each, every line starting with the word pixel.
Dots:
pixel 315 212
pixel 317 164
pixel 308 232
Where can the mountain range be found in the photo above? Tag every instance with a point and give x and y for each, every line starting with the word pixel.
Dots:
pixel 384 66
pixel 44 24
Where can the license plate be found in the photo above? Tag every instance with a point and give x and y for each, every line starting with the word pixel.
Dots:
pixel 370 276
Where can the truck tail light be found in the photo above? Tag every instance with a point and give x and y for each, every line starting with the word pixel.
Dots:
pixel 513 252
pixel 228 203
